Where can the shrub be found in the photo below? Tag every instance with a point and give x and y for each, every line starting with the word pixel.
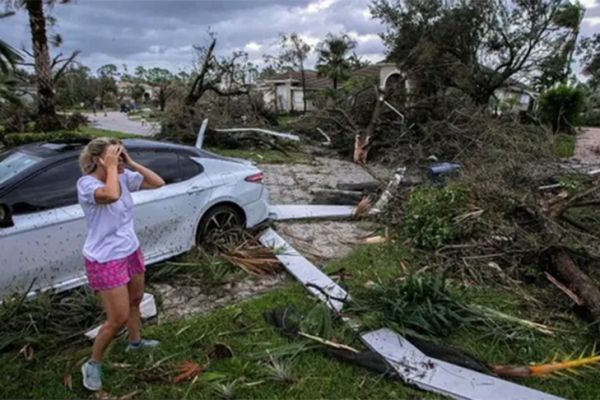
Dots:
pixel 561 106
pixel 431 216
pixel 75 120
pixel 18 139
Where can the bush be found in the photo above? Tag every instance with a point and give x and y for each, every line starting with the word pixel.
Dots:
pixel 590 118
pixel 564 145
pixel 561 106
pixel 75 120
pixel 431 216
pixel 18 139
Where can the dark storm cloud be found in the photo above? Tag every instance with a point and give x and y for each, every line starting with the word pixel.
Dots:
pixel 161 33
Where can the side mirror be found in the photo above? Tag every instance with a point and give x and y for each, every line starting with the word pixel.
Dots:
pixel 6 220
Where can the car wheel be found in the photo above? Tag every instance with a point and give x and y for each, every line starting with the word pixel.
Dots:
pixel 218 221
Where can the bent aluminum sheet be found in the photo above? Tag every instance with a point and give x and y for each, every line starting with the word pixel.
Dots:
pixel 438 376
pixel 304 271
pixel 307 211
pixel 281 135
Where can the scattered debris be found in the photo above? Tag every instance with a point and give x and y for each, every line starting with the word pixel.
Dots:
pixel 27 352
pixel 389 191
pixel 253 258
pixel 336 196
pixel 362 208
pixel 327 141
pixel 187 370
pixel 68 381
pixel 543 370
pixel 375 240
pixel 201 134
pixel 564 289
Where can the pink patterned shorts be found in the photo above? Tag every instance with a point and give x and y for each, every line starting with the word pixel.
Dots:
pixel 115 273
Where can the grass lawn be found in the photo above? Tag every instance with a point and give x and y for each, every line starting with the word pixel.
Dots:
pixel 564 145
pixel 313 374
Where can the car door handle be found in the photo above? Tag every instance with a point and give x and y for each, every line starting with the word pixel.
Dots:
pixel 195 189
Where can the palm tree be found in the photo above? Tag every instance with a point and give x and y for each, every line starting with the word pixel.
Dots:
pixel 9 57
pixel 335 60
pixel 46 111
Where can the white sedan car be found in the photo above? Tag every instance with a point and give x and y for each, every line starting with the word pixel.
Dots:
pixel 42 229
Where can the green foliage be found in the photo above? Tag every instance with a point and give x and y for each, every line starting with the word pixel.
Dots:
pixel 561 106
pixel 421 305
pixel 590 118
pixel 318 321
pixel 431 216
pixel 564 145
pixel 18 139
pixel 335 60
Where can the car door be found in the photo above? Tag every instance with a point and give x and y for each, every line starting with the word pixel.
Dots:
pixel 166 218
pixel 43 248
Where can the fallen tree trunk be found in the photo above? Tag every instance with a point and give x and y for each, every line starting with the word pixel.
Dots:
pixel 578 281
pixel 549 214
pixel 332 196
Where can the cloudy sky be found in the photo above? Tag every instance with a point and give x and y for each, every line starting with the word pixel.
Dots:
pixel 162 32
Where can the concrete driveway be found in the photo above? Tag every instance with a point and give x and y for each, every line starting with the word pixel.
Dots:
pixel 117 121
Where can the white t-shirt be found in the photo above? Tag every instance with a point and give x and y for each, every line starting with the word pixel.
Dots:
pixel 110 226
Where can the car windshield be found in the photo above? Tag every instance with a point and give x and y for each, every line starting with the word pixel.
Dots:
pixel 12 163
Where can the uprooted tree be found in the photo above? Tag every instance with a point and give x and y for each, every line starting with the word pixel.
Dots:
pixel 472 46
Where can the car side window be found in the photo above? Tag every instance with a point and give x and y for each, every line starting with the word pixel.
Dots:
pixel 56 186
pixel 189 168
pixel 165 164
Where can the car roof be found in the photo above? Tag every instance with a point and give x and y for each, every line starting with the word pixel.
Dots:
pixel 67 147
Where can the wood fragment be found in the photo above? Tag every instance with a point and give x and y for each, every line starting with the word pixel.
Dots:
pixel 564 289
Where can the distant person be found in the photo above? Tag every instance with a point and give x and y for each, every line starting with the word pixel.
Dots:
pixel 113 259
pixel 94 108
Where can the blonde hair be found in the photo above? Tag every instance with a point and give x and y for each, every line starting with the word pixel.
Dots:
pixel 94 148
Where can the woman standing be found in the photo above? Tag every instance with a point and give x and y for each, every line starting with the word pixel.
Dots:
pixel 114 262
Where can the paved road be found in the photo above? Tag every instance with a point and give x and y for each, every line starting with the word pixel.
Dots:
pixel 116 121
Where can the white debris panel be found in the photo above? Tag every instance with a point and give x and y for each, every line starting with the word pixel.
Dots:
pixel 317 282
pixel 308 211
pixel 415 368
pixel 280 135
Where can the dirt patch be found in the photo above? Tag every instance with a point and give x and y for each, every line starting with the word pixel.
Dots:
pixel 179 301
pixel 323 241
pixel 587 147
pixel 292 183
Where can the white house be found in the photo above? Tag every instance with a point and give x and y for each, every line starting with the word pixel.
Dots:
pixel 283 92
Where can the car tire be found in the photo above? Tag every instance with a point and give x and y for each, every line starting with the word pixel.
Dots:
pixel 222 217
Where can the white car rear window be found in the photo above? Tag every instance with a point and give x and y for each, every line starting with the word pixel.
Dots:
pixel 12 163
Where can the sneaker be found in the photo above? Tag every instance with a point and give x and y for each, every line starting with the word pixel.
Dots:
pixel 92 372
pixel 142 344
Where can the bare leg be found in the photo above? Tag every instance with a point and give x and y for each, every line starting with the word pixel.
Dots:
pixel 136 293
pixel 116 306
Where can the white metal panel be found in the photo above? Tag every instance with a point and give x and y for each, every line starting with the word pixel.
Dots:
pixel 438 376
pixel 317 282
pixel 305 211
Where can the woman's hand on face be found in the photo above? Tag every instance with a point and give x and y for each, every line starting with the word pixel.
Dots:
pixel 126 157
pixel 111 157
